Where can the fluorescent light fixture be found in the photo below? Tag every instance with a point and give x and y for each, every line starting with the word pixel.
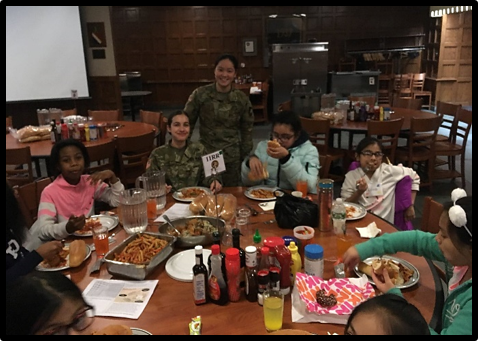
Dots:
pixel 439 11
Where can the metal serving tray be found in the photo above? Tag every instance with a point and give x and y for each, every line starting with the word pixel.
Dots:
pixel 135 271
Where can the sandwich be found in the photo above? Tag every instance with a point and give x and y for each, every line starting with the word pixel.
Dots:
pixel 114 329
pixel 379 265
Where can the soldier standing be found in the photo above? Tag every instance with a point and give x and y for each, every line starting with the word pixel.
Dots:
pixel 225 118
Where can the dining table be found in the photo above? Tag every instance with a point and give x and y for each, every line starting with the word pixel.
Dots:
pixel 42 149
pixel 171 306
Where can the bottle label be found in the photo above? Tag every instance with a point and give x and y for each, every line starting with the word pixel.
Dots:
pixel 199 283
pixel 214 289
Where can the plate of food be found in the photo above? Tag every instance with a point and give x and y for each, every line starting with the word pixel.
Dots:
pixel 402 273
pixel 106 220
pixel 63 262
pixel 187 194
pixel 261 193
pixel 354 211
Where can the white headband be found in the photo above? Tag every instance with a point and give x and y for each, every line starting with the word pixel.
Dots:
pixel 456 213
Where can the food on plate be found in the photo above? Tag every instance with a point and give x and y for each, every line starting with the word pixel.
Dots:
pixel 225 206
pixel 141 250
pixel 195 227
pixel 398 273
pixel 351 211
pixel 262 193
pixel 192 192
pixel 57 261
pixel 114 329
pixel 89 224
pixel 273 143
pixel 77 252
pixel 325 300
pixel 199 203
pixel 263 175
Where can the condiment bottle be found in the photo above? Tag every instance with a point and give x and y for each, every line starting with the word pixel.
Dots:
pixel 257 239
pixel 295 261
pixel 217 286
pixel 251 273
pixel 233 268
pixel 314 260
pixel 236 242
pixel 325 198
pixel 283 256
pixel 263 274
pixel 216 239
pixel 53 131
pixel 200 277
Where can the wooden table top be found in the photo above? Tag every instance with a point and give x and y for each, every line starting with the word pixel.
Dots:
pixel 42 149
pixel 171 307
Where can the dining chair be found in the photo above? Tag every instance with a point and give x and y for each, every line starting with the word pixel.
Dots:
pixel 418 89
pixel 19 166
pixel 104 115
pixel 154 118
pixel 325 162
pixel 28 196
pixel 453 148
pixel 384 97
pixel 449 111
pixel 164 130
pixel 419 153
pixel 319 134
pixel 102 156
pixel 9 123
pixel 387 132
pixel 285 106
pixel 132 154
pixel 407 103
pixel 402 85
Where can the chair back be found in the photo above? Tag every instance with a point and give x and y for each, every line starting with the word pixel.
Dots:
pixel 19 166
pixel 402 85
pixel 319 132
pixel 418 81
pixel 132 154
pixel 104 115
pixel 28 196
pixel 154 118
pixel 164 130
pixel 285 106
pixel 431 215
pixel 408 103
pixel 387 132
pixel 325 161
pixel 102 156
pixel 449 111
pixel 462 127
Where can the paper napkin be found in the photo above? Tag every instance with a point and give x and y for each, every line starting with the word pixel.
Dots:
pixel 370 231
pixel 267 206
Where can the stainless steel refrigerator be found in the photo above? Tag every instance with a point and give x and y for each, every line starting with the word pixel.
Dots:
pixel 300 67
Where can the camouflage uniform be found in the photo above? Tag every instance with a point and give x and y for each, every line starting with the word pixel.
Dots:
pixel 225 123
pixel 183 167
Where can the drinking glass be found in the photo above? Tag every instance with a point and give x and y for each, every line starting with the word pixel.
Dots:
pixel 100 239
pixel 301 186
pixel 273 310
pixel 134 210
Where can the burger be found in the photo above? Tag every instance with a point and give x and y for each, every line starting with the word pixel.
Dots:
pixel 273 143
pixel 114 329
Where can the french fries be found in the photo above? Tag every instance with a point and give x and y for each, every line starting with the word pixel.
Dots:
pixel 141 250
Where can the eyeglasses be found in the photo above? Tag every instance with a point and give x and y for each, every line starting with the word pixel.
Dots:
pixel 370 154
pixel 82 321
pixel 282 137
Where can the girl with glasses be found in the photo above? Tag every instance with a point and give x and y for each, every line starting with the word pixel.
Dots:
pixel 452 245
pixel 292 158
pixel 373 184
pixel 46 303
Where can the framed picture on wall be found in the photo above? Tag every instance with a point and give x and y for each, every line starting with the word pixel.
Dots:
pixel 249 46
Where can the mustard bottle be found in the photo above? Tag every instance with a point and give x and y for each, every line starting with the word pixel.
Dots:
pixel 295 261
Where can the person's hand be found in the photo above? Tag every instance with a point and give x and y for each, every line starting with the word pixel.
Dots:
pixel 409 213
pixel 383 281
pixel 361 185
pixel 75 223
pixel 277 152
pixel 257 168
pixel 50 250
pixel 215 186
pixel 351 257
pixel 107 176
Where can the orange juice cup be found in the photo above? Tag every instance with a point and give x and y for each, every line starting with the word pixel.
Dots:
pixel 100 239
pixel 301 186
pixel 151 208
pixel 343 243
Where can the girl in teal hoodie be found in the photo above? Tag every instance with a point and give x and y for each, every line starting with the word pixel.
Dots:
pixel 452 244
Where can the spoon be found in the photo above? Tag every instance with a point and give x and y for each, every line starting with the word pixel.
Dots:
pixel 171 225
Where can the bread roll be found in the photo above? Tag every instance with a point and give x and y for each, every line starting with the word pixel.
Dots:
pixel 199 203
pixel 273 143
pixel 77 252
pixel 114 329
pixel 229 207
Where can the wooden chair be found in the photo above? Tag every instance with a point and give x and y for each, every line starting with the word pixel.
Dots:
pixel 28 196
pixel 402 85
pixel 102 156
pixel 9 123
pixel 431 215
pixel 384 96
pixel 132 154
pixel 154 118
pixel 387 132
pixel 449 111
pixel 164 130
pixel 19 166
pixel 319 135
pixel 104 115
pixel 408 103
pixel 454 147
pixel 325 162
pixel 418 85
pixel 285 106
pixel 420 148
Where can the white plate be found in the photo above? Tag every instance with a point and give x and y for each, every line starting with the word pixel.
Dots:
pixel 106 220
pixel 248 192
pixel 67 266
pixel 180 197
pixel 180 266
pixel 412 281
pixel 138 331
pixel 359 214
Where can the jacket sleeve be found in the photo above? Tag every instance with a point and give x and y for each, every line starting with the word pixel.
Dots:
pixel 303 164
pixel 24 266
pixel 110 194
